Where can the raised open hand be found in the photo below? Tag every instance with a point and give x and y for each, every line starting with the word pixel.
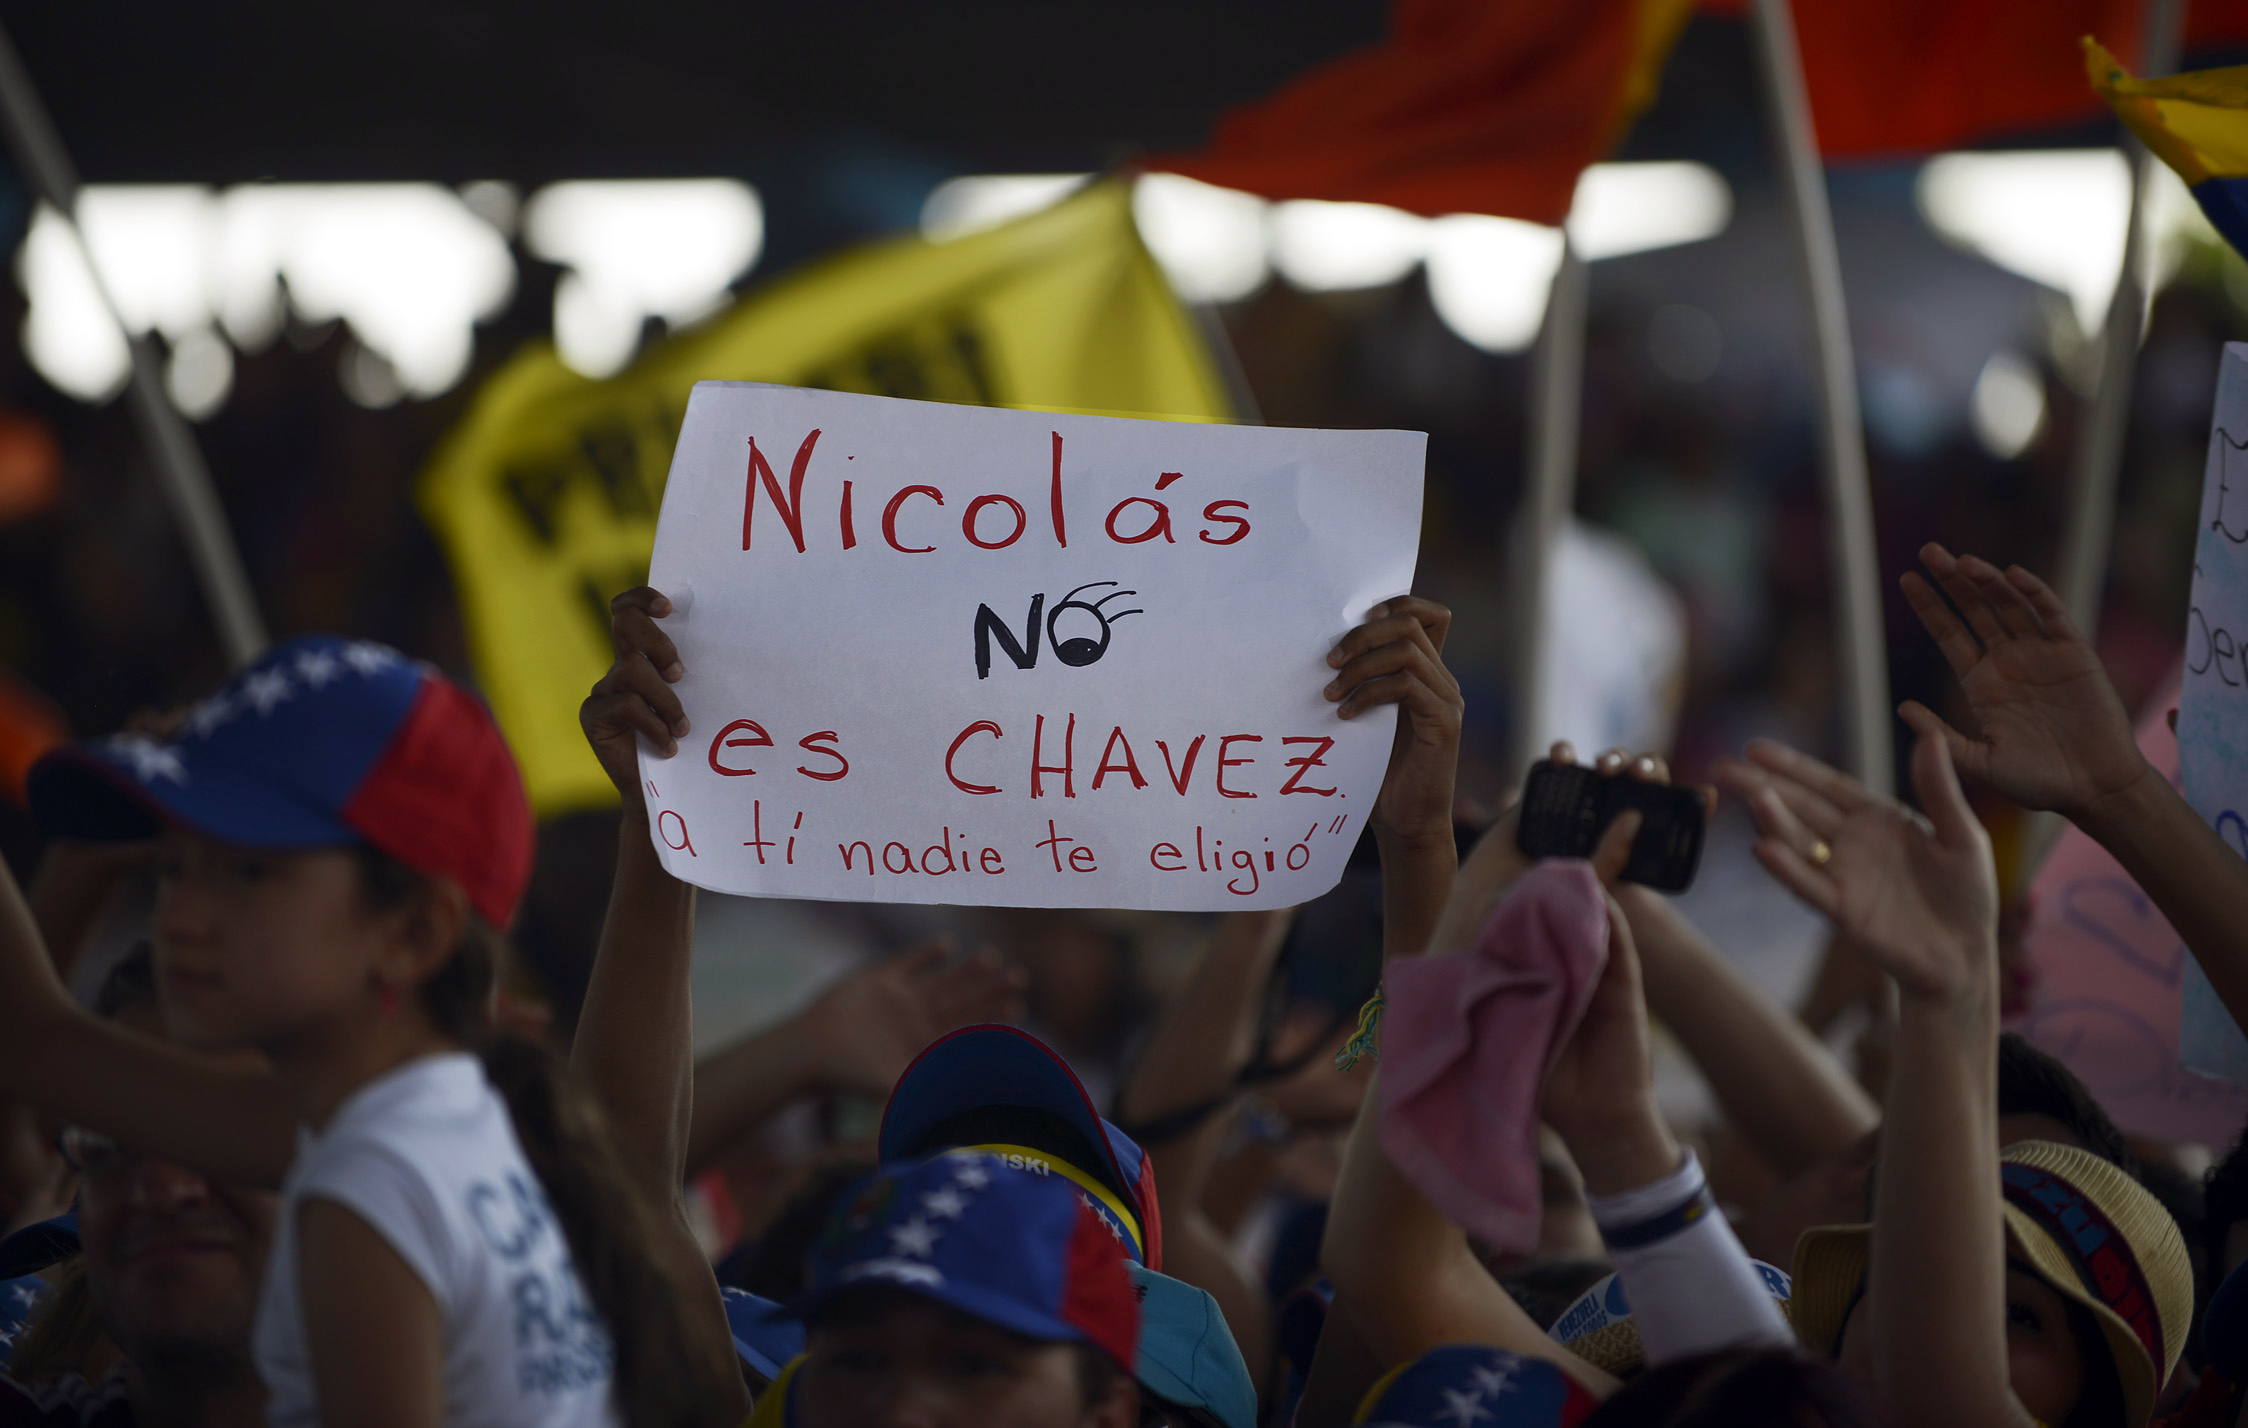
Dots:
pixel 2054 733
pixel 1919 897
pixel 1397 657
pixel 635 697
pixel 867 1028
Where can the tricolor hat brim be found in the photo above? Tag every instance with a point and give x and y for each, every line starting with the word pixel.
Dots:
pixel 322 742
pixel 38 1246
pixel 1187 1354
pixel 1830 1267
pixel 129 787
pixel 766 1336
pixel 2129 1262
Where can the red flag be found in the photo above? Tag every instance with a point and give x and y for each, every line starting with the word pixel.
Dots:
pixel 1896 77
pixel 1470 106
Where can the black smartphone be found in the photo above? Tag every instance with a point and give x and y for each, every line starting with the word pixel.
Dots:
pixel 1565 807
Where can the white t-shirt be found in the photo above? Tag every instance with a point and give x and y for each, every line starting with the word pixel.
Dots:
pixel 427 1156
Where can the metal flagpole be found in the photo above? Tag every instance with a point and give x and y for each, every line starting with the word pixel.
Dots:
pixel 180 470
pixel 1549 490
pixel 2080 571
pixel 2082 568
pixel 1862 645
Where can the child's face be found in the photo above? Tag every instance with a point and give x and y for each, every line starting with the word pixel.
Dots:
pixel 913 1364
pixel 261 948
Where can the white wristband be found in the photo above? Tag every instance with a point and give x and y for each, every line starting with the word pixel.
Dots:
pixel 1692 1288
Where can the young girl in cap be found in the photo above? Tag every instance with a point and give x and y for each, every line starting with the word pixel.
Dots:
pixel 344 835
pixel 2038 1286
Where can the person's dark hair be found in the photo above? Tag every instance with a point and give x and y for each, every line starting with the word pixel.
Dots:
pixel 2224 1203
pixel 774 1267
pixel 667 1353
pixel 130 982
pixel 2034 1083
pixel 1738 1388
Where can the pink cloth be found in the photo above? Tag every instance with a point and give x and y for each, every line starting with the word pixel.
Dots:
pixel 1467 1039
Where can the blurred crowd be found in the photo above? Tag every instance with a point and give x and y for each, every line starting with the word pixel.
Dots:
pixel 654 1158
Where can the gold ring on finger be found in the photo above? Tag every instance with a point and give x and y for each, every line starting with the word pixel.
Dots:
pixel 1822 853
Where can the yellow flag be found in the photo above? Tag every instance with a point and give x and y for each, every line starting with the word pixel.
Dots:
pixel 545 497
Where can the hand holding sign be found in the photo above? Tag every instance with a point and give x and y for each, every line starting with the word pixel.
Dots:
pixel 635 696
pixel 1397 657
pixel 2054 733
pixel 1112 704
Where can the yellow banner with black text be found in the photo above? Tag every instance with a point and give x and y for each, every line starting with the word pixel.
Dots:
pixel 545 496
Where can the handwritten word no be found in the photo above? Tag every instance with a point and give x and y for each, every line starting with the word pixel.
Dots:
pixel 1075 650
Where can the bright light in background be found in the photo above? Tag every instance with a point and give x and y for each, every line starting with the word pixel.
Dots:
pixel 1210 240
pixel 408 266
pixel 1489 277
pixel 2008 408
pixel 153 244
pixel 200 375
pixel 1331 247
pixel 958 207
pixel 2055 216
pixel 1632 208
pixel 496 202
pixel 668 248
pixel 67 333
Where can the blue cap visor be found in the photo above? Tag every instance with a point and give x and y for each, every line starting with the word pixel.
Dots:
pixel 1187 1355
pixel 35 1247
pixel 93 791
pixel 974 1300
pixel 766 1335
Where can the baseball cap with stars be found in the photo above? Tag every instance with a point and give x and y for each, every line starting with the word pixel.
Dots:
pixel 1475 1386
pixel 321 742
pixel 1002 1245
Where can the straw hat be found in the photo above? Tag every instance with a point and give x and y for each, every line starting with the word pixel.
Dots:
pixel 2089 1230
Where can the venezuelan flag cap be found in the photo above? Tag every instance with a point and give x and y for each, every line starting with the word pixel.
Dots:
pixel 1002 1090
pixel 1475 1383
pixel 322 742
pixel 1001 1245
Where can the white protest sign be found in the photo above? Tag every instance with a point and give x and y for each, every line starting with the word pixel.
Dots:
pixel 958 654
pixel 2213 704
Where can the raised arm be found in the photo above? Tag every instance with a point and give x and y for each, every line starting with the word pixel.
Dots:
pixel 1919 899
pixel 858 1036
pixel 1777 1084
pixel 223 1115
pixel 635 1038
pixel 67 898
pixel 1404 1274
pixel 2055 736
pixel 1397 657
